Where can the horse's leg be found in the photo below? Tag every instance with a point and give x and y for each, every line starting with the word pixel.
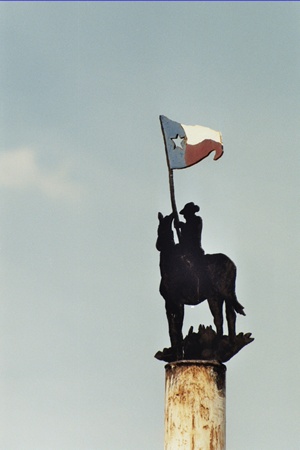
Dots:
pixel 231 318
pixel 216 306
pixel 175 313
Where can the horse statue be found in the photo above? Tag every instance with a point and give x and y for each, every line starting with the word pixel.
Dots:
pixel 188 278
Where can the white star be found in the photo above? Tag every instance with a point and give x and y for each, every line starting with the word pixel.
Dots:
pixel 177 141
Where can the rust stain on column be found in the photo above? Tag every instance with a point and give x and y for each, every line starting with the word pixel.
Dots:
pixel 195 406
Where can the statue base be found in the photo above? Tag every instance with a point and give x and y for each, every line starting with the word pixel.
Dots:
pixel 206 345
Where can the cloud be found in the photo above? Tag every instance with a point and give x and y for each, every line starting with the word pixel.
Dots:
pixel 20 170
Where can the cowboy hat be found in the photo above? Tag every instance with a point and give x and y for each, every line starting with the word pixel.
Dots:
pixel 190 208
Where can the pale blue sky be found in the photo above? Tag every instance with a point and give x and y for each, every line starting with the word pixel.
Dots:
pixel 82 177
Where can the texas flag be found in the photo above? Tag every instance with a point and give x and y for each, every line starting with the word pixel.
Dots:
pixel 188 144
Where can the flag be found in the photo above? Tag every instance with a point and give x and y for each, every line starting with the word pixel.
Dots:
pixel 188 144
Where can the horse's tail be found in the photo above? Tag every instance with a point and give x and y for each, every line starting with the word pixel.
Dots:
pixel 238 307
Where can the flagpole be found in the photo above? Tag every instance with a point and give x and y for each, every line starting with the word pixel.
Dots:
pixel 171 183
pixel 173 203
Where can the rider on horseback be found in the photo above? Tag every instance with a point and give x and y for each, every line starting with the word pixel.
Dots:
pixel 191 230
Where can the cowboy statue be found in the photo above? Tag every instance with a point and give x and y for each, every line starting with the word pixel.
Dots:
pixel 189 276
pixel 191 230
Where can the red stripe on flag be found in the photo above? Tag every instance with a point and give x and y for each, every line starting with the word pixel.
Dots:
pixel 195 153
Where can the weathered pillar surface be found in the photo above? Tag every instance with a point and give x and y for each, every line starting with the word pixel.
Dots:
pixel 195 406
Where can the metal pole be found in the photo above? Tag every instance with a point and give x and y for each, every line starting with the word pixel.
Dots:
pixel 173 203
pixel 195 406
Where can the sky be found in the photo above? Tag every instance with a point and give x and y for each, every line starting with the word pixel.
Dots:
pixel 83 176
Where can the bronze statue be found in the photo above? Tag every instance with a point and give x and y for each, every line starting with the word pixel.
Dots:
pixel 188 277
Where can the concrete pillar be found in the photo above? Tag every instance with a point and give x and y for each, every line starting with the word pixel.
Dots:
pixel 195 406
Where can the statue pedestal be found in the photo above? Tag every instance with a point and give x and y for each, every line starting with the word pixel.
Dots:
pixel 195 405
pixel 206 345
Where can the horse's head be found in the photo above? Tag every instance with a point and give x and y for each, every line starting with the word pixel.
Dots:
pixel 165 237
